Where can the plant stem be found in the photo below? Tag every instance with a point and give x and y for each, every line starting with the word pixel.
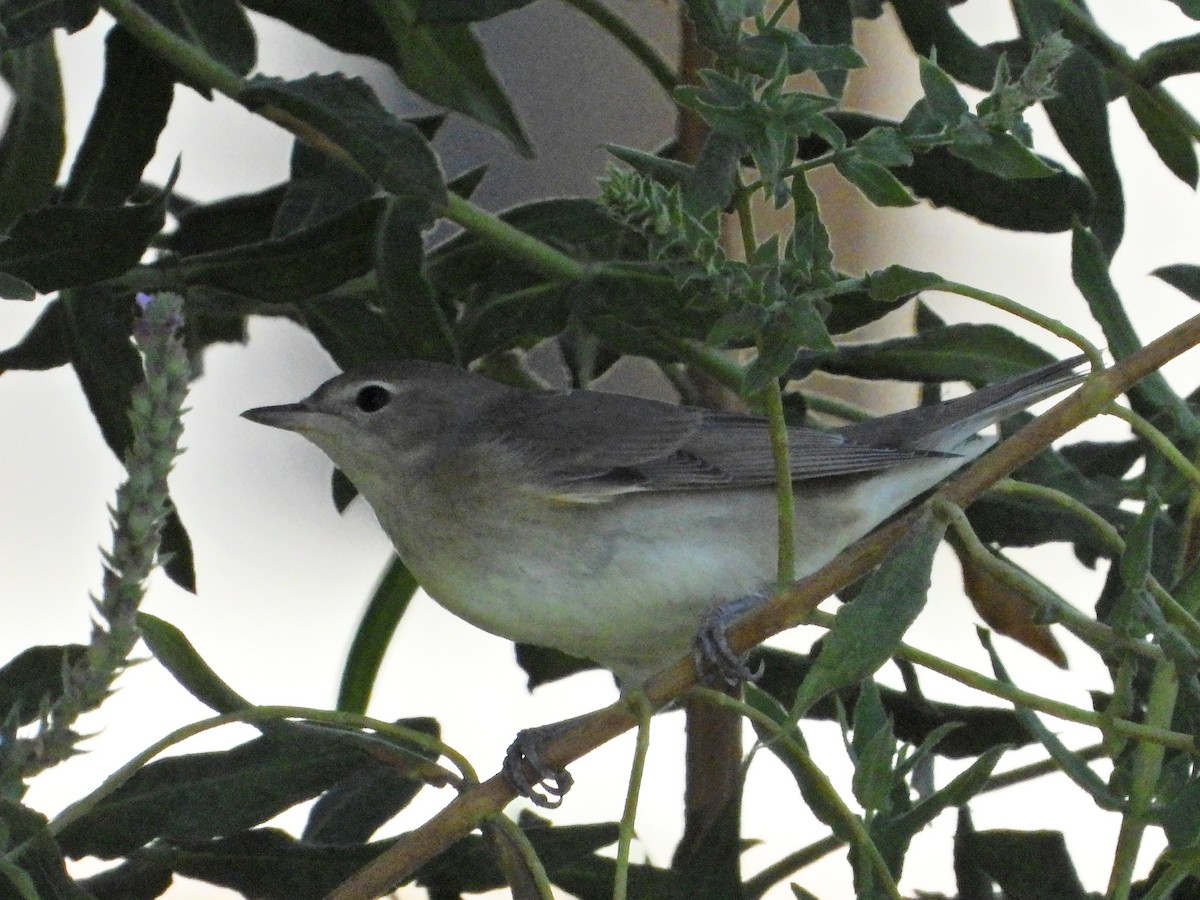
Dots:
pixel 1147 766
pixel 1159 441
pixel 538 254
pixel 628 817
pixel 1054 326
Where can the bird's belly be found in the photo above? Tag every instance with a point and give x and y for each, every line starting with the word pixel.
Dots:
pixel 625 583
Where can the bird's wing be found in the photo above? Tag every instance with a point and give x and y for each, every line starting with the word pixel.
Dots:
pixel 587 446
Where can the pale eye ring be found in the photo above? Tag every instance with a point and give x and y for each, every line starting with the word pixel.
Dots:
pixel 372 398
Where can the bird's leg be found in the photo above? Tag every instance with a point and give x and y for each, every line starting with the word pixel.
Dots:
pixel 532 778
pixel 716 662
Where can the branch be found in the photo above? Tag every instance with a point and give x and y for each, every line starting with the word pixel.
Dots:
pixel 786 610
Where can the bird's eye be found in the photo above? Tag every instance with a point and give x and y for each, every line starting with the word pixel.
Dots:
pixel 373 398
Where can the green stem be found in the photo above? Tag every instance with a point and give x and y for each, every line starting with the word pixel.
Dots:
pixel 499 233
pixel 1147 766
pixel 1054 326
pixel 642 50
pixel 1018 697
pixel 519 841
pixel 1175 613
pixel 629 815
pixel 758 885
pixel 1159 441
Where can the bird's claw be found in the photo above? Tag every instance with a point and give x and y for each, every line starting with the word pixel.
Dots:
pixel 716 662
pixel 549 785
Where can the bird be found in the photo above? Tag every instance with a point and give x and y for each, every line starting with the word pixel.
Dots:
pixel 608 526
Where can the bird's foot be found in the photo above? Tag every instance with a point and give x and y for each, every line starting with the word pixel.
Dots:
pixel 716 662
pixel 547 785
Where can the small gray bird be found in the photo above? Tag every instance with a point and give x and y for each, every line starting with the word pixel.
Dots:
pixel 610 526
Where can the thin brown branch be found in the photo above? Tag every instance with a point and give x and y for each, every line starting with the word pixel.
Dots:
pixel 786 610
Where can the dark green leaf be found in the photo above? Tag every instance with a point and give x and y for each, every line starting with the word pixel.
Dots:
pixel 1089 269
pixel 543 665
pixel 930 28
pixel 1182 277
pixel 1002 155
pixel 300 265
pixel 877 184
pixel 828 22
pixel 454 11
pixel 39 867
pixel 388 604
pixel 465 184
pixel 662 169
pixel 25 21
pixel 31 149
pixel 44 346
pixel 409 300
pixel 974 353
pixel 219 28
pixel 884 145
pixel 345 112
pixel 710 183
pixel 897 281
pixel 808 248
pixel 1072 764
pixel 132 880
pixel 177 655
pixel 267 864
pixel 353 809
pixel 241 219
pixel 1180 816
pixel 941 94
pixel 130 113
pixel 204 795
pixel 320 188
pixel 1026 864
pixel 761 53
pixel 874 750
pixel 1169 139
pixel 33 677
pixel 867 632
pixel 1190 8
pixel 1079 115
pixel 12 288
pixel 62 246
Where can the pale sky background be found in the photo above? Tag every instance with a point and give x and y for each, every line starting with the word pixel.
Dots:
pixel 283 578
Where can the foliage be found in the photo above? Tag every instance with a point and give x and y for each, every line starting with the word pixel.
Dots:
pixel 643 269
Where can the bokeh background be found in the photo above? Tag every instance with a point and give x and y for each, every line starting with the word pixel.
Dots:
pixel 283 578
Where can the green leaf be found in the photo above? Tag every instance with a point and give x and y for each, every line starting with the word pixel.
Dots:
pixel 409 301
pixel 1089 270
pixel 204 795
pixel 1190 8
pixel 177 655
pixel 388 603
pixel 352 810
pixel 874 751
pixel 62 246
pixel 941 94
pixel 131 880
pixel 974 353
pixel 44 346
pixel 1182 277
pixel 34 139
pixel 346 113
pixel 130 113
pixel 660 168
pixel 930 28
pixel 1003 155
pixel 1074 766
pixel 808 247
pixel 219 28
pixel 875 182
pixel 761 53
pixel 898 281
pixel 884 145
pixel 1079 115
pixel 32 678
pixel 302 264
pixel 320 189
pixel 229 222
pixel 24 21
pixel 1023 863
pixel 1169 139
pixel 13 288
pixel 828 22
pixel 711 182
pixel 1180 816
pixel 867 632
pixel 38 871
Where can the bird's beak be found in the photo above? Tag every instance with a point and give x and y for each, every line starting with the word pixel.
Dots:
pixel 289 416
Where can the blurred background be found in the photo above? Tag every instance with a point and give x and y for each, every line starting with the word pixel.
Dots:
pixel 283 578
